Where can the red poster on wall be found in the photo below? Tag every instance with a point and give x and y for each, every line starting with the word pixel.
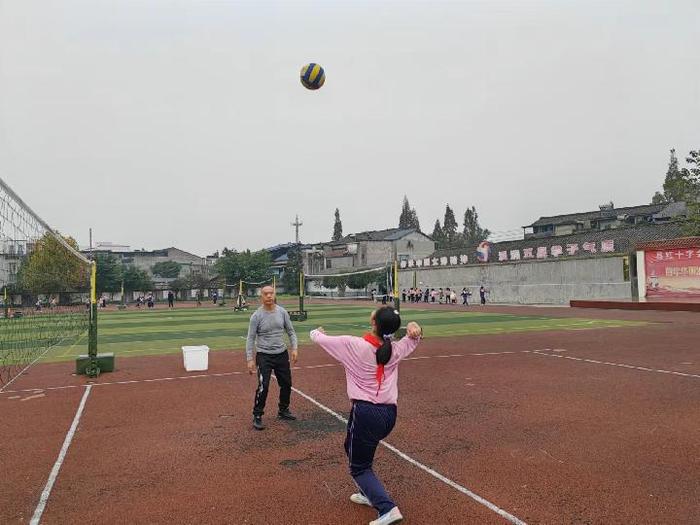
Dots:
pixel 673 273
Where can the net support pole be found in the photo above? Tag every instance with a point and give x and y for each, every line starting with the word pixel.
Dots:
pixel 301 291
pixel 93 368
pixel 397 300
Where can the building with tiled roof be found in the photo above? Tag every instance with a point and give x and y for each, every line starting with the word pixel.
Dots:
pixel 607 217
pixel 368 249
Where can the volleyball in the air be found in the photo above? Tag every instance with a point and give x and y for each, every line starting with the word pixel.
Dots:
pixel 312 76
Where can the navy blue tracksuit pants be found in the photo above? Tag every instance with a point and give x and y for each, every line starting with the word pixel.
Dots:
pixel 368 424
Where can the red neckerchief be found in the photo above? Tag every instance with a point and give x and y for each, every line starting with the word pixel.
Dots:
pixel 376 343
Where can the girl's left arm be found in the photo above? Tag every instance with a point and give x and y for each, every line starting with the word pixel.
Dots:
pixel 336 346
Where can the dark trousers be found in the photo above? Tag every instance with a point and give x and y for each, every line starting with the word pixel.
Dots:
pixel 368 424
pixel 266 363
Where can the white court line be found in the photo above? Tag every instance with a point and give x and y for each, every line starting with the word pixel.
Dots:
pixel 415 463
pixel 61 456
pixel 127 382
pixel 224 374
pixel 621 365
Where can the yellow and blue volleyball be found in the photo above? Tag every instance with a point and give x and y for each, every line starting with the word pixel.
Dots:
pixel 312 76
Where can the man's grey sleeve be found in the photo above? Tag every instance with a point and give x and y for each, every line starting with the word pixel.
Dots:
pixel 290 330
pixel 252 332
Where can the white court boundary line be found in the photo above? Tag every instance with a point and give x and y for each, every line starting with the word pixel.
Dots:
pixel 415 463
pixel 226 374
pixel 620 365
pixel 59 461
pixel 541 352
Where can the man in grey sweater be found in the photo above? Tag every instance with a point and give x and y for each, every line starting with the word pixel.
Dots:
pixel 266 337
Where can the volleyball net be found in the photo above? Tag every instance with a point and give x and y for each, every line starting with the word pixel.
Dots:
pixel 245 290
pixel 371 284
pixel 47 297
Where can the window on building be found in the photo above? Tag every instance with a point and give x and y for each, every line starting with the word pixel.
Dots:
pixel 328 264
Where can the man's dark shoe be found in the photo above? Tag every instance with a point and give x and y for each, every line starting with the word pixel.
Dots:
pixel 257 423
pixel 286 414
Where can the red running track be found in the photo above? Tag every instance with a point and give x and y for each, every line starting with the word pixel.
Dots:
pixel 587 427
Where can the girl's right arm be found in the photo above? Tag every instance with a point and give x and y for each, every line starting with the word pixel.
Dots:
pixel 336 346
pixel 408 344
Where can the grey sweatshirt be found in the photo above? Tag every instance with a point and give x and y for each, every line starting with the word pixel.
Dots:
pixel 266 332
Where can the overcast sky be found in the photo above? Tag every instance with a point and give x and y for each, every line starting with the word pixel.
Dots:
pixel 184 123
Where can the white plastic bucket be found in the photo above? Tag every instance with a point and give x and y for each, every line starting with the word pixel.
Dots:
pixel 196 357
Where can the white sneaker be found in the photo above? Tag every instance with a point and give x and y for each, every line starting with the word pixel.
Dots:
pixel 393 516
pixel 360 499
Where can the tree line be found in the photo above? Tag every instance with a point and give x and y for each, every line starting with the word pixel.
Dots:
pixel 446 235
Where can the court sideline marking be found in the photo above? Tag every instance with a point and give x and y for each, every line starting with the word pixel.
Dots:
pixel 482 501
pixel 621 365
pixel 225 374
pixel 542 352
pixel 39 511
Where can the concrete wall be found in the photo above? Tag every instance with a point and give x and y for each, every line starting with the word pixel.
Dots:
pixel 641 275
pixel 420 246
pixel 535 282
pixel 378 253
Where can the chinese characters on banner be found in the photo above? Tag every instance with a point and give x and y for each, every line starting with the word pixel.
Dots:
pixel 453 260
pixel 673 273
pixel 544 252
pixel 540 252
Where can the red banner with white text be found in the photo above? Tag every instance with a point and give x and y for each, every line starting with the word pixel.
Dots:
pixel 673 273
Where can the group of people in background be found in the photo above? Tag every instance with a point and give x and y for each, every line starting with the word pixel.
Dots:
pixel 148 300
pixel 440 295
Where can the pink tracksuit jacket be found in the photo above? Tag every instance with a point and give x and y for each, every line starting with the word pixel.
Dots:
pixel 358 358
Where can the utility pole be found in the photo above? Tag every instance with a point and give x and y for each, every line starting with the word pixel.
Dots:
pixel 296 225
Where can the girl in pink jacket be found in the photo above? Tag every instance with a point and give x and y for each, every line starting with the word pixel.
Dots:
pixel 371 371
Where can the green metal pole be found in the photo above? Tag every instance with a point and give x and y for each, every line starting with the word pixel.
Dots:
pixel 93 368
pixel 92 333
pixel 301 291
pixel 397 299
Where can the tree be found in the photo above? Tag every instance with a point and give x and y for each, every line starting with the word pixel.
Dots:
pixel 409 217
pixel 691 227
pixel 109 273
pixel 679 184
pixel 180 284
pixel 50 267
pixel 692 173
pixel 235 266
pixel 136 279
pixel 166 269
pixel 290 277
pixel 337 226
pixel 449 228
pixel 199 282
pixel 360 281
pixel 341 283
pixel 415 223
pixel 438 236
pixel 472 232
